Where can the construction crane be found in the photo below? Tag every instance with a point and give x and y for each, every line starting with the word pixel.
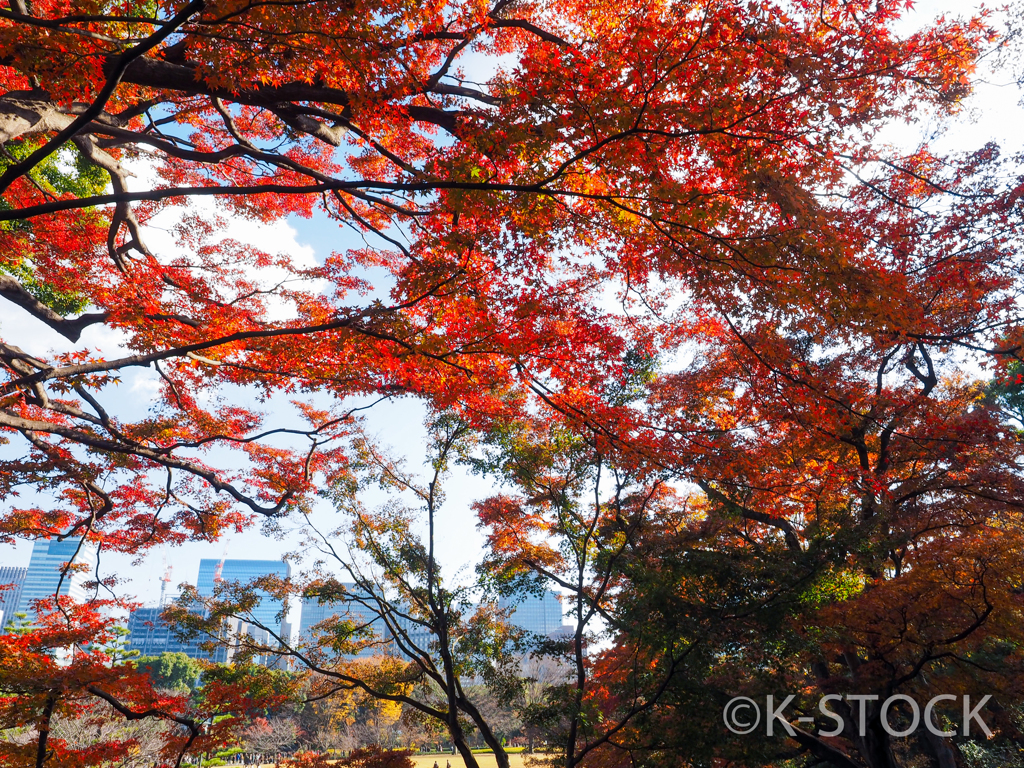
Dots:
pixel 164 581
pixel 217 577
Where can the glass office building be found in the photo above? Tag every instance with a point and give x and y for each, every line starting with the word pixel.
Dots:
pixel 541 615
pixel 14 579
pixel 244 571
pixel 148 635
pixel 44 579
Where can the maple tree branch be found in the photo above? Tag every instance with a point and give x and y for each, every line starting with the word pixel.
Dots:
pixel 74 18
pixel 285 648
pixel 636 709
pixel 123 212
pixel 310 433
pixel 377 231
pixel 918 666
pixel 928 380
pixel 1011 351
pixel 880 376
pixel 533 29
pixel 837 401
pixel 47 373
pixel 183 351
pixel 369 598
pixel 96 108
pixel 979 621
pixel 88 522
pixel 468 93
pixel 30 426
pixel 913 174
pixel 229 123
pixel 44 729
pixel 42 209
pixel 56 26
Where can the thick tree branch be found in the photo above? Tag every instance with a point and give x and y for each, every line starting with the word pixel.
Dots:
pixel 823 750
pixel 792 541
pixel 129 714
pixel 14 292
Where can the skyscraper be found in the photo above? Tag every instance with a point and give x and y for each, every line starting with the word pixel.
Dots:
pixel 44 571
pixel 9 575
pixel 244 571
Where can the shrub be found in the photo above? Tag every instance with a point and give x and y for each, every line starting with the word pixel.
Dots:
pixel 375 756
pixel 307 760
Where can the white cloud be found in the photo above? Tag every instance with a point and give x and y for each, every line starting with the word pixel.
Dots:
pixel 277 238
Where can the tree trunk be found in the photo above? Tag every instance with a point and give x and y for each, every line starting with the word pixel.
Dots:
pixel 938 749
pixel 875 746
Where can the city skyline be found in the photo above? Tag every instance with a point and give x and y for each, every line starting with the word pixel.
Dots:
pixel 148 634
pixel 540 614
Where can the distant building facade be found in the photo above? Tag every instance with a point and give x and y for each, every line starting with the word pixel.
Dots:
pixel 43 578
pixel 313 612
pixel 414 634
pixel 539 614
pixel 14 578
pixel 244 571
pixel 150 636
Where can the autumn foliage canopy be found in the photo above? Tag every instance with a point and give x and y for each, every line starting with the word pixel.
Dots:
pixel 747 372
